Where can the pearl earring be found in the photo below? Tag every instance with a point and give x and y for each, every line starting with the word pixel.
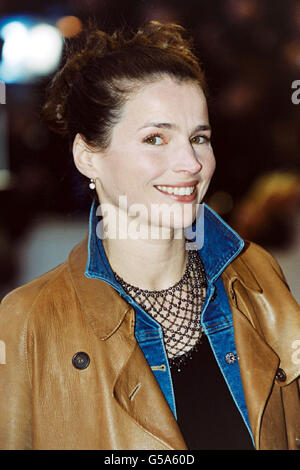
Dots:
pixel 92 184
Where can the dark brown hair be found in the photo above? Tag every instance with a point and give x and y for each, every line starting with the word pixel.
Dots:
pixel 99 71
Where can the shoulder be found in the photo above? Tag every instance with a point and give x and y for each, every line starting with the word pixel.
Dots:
pixel 24 312
pixel 17 306
pixel 256 253
pixel 257 261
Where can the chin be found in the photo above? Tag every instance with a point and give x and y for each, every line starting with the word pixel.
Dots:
pixel 178 219
pixel 181 224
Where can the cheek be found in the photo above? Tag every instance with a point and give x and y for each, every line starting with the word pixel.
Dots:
pixel 116 170
pixel 148 167
pixel 211 166
pixel 130 173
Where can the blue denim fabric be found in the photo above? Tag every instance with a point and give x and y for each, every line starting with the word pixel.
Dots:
pixel 221 245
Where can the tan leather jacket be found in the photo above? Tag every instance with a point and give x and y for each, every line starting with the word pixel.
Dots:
pixel 47 403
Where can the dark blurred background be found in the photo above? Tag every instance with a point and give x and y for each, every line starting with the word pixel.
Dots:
pixel 250 50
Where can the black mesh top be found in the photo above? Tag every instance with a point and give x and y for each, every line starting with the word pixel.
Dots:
pixel 207 414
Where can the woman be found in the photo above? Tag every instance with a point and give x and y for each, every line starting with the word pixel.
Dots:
pixel 143 339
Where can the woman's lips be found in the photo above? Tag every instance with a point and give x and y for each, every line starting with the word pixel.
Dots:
pixel 180 198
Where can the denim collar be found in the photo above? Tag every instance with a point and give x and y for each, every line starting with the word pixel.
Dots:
pixel 221 245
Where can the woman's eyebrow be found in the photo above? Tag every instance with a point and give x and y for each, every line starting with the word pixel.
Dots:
pixel 168 125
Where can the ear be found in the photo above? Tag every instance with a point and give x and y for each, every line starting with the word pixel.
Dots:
pixel 84 158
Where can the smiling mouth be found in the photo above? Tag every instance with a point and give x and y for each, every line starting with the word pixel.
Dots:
pixel 177 190
pixel 179 193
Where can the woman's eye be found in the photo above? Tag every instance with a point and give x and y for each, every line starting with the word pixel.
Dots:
pixel 200 139
pixel 154 139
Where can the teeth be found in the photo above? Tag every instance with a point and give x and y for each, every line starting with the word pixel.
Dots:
pixel 179 191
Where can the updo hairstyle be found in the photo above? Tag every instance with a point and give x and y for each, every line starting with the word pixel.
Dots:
pixel 99 72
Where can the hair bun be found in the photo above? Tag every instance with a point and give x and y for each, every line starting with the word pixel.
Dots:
pixel 85 80
pixel 166 35
pixel 77 52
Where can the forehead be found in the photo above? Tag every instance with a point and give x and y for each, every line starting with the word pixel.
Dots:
pixel 183 103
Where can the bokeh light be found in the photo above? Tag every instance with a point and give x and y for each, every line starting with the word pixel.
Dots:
pixel 44 49
pixel 291 53
pixel 69 26
pixel 221 202
pixel 29 50
pixel 241 10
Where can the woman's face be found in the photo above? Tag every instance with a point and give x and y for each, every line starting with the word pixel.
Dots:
pixel 160 147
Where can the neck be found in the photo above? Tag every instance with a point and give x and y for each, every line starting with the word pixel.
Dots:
pixel 147 264
pixel 147 256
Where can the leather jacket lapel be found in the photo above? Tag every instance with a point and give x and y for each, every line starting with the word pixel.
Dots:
pixel 96 296
pixel 258 365
pixel 138 393
pixel 259 320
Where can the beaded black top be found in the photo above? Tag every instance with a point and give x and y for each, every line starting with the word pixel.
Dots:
pixel 177 309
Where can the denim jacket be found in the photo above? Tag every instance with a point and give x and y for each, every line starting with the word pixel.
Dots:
pixel 221 246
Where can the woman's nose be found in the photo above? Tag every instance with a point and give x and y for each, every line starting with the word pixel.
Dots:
pixel 186 161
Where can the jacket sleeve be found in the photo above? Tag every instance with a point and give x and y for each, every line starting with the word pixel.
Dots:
pixel 15 386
